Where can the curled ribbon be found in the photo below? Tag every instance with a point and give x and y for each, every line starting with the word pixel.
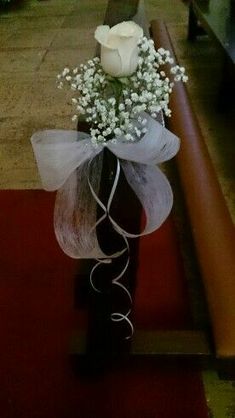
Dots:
pixel 69 163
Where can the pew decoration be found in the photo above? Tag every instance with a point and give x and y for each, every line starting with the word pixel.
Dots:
pixel 119 95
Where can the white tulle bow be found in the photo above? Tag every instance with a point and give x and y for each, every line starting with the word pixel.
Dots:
pixel 70 163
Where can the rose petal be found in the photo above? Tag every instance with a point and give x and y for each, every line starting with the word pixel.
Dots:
pixel 101 34
pixel 119 52
pixel 127 29
pixel 128 52
pixel 111 61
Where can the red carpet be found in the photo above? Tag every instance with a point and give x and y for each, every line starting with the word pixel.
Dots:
pixel 37 317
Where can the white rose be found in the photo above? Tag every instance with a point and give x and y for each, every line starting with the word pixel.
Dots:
pixel 119 50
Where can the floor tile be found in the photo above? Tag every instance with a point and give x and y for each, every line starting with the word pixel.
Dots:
pixel 43 97
pixel 13 94
pixel 21 60
pixel 56 60
pixel 9 24
pixel 74 38
pixel 84 21
pixel 32 22
pixel 31 38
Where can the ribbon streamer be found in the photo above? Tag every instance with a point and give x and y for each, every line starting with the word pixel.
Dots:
pixel 115 316
pixel 69 163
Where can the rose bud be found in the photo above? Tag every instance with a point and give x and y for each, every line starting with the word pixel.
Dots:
pixel 119 48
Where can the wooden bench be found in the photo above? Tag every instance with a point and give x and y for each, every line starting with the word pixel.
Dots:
pixel 211 224
pixel 211 227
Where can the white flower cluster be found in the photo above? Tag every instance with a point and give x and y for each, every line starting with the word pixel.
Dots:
pixel 114 107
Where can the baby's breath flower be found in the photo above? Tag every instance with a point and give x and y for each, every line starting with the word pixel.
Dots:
pixel 65 72
pixel 118 131
pixel 114 107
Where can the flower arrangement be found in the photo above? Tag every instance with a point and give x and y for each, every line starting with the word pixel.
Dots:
pixel 114 92
pixel 119 95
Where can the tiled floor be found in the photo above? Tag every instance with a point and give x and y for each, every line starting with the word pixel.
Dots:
pixel 38 39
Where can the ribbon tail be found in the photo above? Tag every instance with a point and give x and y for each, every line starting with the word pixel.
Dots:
pixel 75 213
pixel 154 193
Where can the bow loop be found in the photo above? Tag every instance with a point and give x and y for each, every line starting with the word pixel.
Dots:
pixel 156 146
pixel 68 161
pixel 58 153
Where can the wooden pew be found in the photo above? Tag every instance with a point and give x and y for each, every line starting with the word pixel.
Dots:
pixel 171 344
pixel 211 223
pixel 211 226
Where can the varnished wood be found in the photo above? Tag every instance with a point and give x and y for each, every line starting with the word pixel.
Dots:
pixel 184 343
pixel 99 342
pixel 102 336
pixel 211 224
pixel 120 10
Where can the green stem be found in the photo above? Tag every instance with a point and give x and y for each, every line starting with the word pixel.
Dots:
pixel 117 90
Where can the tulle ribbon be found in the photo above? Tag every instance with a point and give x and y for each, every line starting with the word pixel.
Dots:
pixel 69 163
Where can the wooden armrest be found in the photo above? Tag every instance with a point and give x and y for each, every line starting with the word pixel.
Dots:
pixel 211 224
